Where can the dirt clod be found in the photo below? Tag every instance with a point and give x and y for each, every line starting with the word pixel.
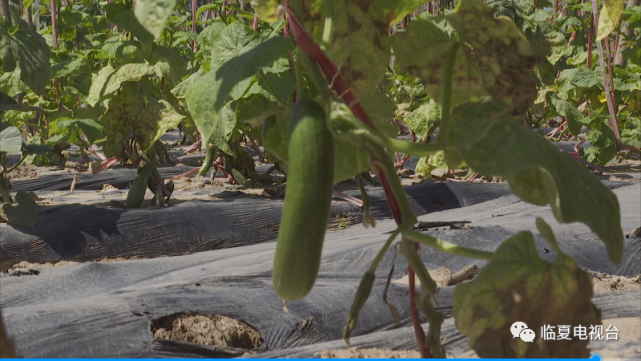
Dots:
pixel 607 283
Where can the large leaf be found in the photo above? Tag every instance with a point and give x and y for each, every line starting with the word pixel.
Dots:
pixel 421 119
pixel 234 40
pixel 152 14
pixel 423 51
pixel 26 50
pixel 517 286
pixel 91 128
pixel 71 67
pixel 207 95
pixel 10 139
pixel 168 63
pixel 499 63
pixel 492 142
pixel 569 111
pixel 122 15
pixel 609 17
pixel 148 118
pixel 108 80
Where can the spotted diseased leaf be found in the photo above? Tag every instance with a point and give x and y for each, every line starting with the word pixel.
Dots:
pixel 152 14
pixel 492 142
pixel 503 53
pixel 268 10
pixel 24 53
pixel 147 118
pixel 518 286
pixel 496 59
pixel 423 51
pixel 421 119
pixel 609 17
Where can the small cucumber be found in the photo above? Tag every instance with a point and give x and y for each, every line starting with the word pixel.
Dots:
pixel 308 198
pixel 136 193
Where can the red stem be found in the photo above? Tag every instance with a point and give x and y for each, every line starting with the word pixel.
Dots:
pixel 607 50
pixel 194 8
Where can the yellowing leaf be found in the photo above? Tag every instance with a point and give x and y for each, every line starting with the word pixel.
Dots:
pixel 152 14
pixel 609 17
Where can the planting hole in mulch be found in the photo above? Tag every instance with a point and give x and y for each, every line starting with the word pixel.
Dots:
pixel 218 331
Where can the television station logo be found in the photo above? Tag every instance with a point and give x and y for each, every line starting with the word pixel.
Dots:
pixel 563 332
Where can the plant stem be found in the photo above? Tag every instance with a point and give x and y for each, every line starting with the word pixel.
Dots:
pixel 447 86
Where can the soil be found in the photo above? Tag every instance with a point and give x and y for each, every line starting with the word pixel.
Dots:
pixel 607 283
pixel 219 331
pixel 22 172
pixel 368 353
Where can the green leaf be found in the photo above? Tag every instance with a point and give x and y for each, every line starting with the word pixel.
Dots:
pixel 71 67
pixel 207 37
pixel 274 135
pixel 99 83
pixel 349 158
pixel 121 14
pixel 152 14
pixel 168 63
pixel 122 51
pixel 22 212
pixel 108 81
pixel 11 84
pixel 25 51
pixel 10 140
pixel 518 286
pixel 234 40
pixel 207 95
pixel 492 142
pixel 421 119
pixel 609 17
pixel 569 111
pixel 91 128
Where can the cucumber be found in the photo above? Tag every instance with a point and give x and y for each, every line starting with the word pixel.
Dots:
pixel 136 193
pixel 308 198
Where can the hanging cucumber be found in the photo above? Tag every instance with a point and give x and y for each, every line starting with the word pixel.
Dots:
pixel 307 201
